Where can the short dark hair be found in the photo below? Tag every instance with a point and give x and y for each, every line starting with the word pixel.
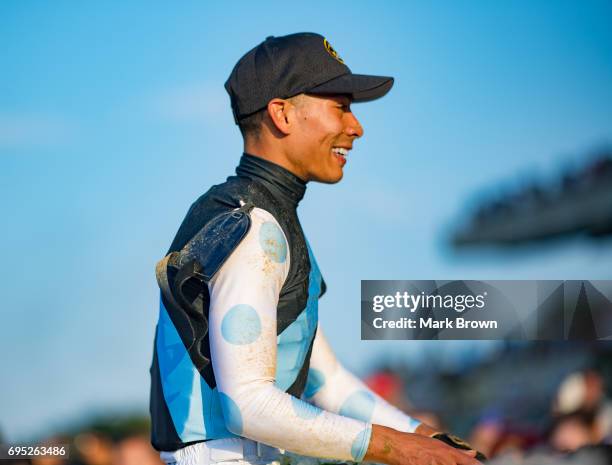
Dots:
pixel 251 125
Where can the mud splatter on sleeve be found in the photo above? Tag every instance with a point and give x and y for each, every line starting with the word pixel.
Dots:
pixel 243 342
pixel 333 388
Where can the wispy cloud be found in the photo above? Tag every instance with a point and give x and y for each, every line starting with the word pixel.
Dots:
pixel 26 131
pixel 200 103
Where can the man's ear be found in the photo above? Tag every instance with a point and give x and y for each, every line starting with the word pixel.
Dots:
pixel 279 111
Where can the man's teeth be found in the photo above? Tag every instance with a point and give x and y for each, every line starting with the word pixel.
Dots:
pixel 340 151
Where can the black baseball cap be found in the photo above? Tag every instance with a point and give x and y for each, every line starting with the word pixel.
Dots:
pixel 281 67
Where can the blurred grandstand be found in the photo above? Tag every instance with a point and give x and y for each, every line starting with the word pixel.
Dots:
pixel 534 403
pixel 530 403
pixel 579 202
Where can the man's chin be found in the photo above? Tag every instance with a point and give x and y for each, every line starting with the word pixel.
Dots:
pixel 331 179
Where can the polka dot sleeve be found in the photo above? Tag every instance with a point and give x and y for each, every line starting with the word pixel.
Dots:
pixel 243 342
pixel 332 387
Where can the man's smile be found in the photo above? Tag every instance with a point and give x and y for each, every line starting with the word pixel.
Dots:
pixel 340 153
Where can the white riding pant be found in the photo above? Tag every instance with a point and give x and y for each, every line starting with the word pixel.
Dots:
pixel 234 451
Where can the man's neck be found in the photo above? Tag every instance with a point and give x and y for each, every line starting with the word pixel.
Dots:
pixel 269 152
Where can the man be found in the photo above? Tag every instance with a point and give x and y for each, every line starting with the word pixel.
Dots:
pixel 238 343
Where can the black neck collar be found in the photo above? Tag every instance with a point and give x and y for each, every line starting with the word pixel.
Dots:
pixel 281 182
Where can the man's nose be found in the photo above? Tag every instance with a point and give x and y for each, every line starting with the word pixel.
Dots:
pixel 353 127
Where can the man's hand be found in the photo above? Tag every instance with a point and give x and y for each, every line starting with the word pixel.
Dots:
pixel 393 447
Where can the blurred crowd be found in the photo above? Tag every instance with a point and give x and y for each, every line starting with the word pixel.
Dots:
pixel 98 448
pixel 578 431
pixel 526 404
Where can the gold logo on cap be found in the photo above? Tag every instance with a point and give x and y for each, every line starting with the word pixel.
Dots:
pixel 331 51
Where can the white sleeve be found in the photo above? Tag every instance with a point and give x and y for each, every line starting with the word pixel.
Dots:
pixel 332 387
pixel 243 342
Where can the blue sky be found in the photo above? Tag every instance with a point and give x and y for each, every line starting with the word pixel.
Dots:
pixel 113 119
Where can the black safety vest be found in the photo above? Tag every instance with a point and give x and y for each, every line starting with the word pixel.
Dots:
pixel 184 401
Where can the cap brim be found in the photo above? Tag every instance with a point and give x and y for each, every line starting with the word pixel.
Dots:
pixel 362 87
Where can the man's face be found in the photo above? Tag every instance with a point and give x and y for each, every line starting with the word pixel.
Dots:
pixel 324 132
